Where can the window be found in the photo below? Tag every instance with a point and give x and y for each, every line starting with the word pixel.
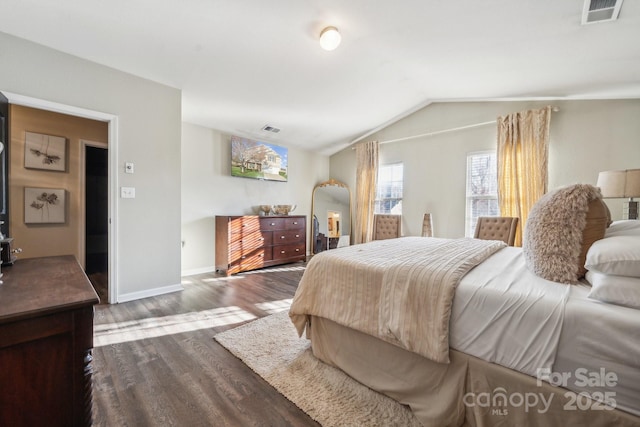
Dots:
pixel 389 191
pixel 482 188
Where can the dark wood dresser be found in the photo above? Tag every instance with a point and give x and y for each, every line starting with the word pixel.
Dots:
pixel 249 242
pixel 46 337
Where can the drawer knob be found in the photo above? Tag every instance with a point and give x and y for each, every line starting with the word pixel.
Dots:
pixel 295 222
pixel 273 223
pixel 282 237
pixel 281 252
pixel 243 256
pixel 297 250
pixel 297 235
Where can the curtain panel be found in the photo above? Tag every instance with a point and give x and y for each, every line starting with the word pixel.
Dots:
pixel 523 154
pixel 366 184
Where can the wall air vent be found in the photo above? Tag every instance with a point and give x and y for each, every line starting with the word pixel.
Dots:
pixel 600 11
pixel 270 128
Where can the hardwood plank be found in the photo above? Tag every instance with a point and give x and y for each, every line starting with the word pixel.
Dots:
pixel 152 375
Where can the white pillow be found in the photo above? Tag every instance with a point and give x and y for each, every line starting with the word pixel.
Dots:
pixel 626 227
pixel 614 289
pixel 617 255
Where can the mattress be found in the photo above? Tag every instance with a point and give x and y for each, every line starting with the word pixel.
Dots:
pixel 599 350
pixel 504 314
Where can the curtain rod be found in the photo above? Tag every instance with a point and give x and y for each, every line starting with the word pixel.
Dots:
pixel 438 132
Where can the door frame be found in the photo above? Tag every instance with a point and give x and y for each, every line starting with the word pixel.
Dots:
pixel 112 121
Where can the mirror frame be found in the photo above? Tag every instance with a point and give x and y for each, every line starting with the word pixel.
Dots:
pixel 330 183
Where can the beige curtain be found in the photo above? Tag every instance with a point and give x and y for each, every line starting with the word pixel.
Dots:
pixel 523 152
pixel 366 182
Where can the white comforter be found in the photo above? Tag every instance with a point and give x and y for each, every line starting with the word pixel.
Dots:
pixel 503 313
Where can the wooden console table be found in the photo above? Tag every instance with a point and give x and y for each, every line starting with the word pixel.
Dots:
pixel 46 337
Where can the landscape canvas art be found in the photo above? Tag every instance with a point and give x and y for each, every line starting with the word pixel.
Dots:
pixel 46 152
pixel 259 160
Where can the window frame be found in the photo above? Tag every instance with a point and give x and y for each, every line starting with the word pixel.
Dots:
pixel 470 220
pixel 380 200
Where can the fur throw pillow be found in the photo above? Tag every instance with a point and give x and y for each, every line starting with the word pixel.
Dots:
pixel 556 236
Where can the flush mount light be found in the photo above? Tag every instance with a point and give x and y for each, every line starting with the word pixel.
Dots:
pixel 330 38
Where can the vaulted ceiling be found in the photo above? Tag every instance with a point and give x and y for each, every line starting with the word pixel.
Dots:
pixel 243 64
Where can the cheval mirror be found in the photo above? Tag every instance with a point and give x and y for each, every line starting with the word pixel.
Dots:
pixel 331 216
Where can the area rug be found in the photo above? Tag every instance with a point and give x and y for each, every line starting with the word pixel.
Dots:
pixel 270 347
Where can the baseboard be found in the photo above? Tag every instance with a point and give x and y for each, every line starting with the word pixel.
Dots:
pixel 195 271
pixel 149 293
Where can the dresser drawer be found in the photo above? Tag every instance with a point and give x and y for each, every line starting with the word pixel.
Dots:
pixel 295 223
pixel 288 251
pixel 250 240
pixel 244 224
pixel 250 259
pixel 269 224
pixel 286 237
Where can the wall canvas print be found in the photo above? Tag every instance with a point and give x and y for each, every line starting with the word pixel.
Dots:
pixel 45 152
pixel 44 205
pixel 259 160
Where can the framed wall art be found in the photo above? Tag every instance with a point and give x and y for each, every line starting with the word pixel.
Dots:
pixel 46 152
pixel 259 160
pixel 44 205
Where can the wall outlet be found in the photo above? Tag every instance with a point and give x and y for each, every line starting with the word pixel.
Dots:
pixel 128 192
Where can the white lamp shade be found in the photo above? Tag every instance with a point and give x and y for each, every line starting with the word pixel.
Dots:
pixel 619 184
pixel 330 38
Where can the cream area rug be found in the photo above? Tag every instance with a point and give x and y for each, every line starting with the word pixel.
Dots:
pixel 270 346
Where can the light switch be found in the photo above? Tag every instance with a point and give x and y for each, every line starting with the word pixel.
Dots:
pixel 128 167
pixel 128 192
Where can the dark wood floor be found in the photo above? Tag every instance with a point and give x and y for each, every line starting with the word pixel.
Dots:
pixel 150 369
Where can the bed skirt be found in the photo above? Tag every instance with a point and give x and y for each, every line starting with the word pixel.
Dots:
pixel 466 392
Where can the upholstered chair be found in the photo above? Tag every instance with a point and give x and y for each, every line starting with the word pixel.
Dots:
pixel 497 228
pixel 386 226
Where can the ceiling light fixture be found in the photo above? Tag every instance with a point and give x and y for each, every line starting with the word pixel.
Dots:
pixel 330 38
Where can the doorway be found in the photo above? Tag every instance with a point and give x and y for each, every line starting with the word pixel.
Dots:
pixel 112 121
pixel 96 217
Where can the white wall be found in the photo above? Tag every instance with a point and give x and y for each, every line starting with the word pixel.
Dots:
pixel 586 137
pixel 149 118
pixel 208 189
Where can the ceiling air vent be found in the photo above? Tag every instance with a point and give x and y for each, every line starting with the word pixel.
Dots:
pixel 600 11
pixel 270 128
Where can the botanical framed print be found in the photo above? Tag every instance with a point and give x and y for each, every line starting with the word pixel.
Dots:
pixel 44 205
pixel 45 152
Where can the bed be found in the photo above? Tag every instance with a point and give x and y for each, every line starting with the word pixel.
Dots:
pixel 520 349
